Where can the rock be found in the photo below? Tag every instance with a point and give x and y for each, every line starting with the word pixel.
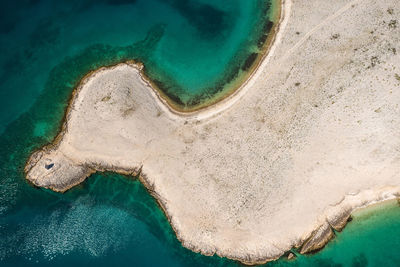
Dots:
pixel 51 169
pixel 339 221
pixel 291 256
pixel 318 239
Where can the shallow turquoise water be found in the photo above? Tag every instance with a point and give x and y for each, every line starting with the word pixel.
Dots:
pixel 47 46
pixel 372 238
pixel 190 48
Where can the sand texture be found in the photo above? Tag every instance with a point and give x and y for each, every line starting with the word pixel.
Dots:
pixel 313 135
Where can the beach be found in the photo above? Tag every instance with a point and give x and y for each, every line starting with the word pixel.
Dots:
pixel 311 136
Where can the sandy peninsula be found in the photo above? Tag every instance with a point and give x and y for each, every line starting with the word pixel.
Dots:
pixel 280 164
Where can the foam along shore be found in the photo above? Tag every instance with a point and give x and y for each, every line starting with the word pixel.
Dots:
pixel 313 135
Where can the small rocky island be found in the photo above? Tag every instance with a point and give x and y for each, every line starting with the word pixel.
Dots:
pixel 281 163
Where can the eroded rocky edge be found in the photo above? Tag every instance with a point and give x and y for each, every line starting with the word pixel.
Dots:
pixel 72 163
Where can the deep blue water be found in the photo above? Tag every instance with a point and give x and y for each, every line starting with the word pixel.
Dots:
pixel 191 48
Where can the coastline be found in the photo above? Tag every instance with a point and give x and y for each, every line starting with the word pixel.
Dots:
pixel 279 7
pixel 376 207
pixel 334 218
pixel 212 109
pixel 238 83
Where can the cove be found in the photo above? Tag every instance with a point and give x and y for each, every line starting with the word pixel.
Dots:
pixel 191 49
pixel 109 219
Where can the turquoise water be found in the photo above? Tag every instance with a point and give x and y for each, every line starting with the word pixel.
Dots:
pixel 190 48
pixel 46 47
pixel 372 238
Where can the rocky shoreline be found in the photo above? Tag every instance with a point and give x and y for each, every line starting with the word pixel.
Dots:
pixel 308 138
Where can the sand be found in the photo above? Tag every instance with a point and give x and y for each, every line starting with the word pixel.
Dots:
pixel 312 136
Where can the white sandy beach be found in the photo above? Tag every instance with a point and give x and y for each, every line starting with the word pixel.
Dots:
pixel 311 136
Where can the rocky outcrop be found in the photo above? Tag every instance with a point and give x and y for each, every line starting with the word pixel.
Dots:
pixel 318 239
pixel 50 168
pixel 338 221
pixel 291 256
pixel 312 136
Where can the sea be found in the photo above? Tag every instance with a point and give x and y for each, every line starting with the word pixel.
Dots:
pixel 195 52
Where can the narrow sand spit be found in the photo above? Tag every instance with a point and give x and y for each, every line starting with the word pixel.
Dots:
pixel 313 135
